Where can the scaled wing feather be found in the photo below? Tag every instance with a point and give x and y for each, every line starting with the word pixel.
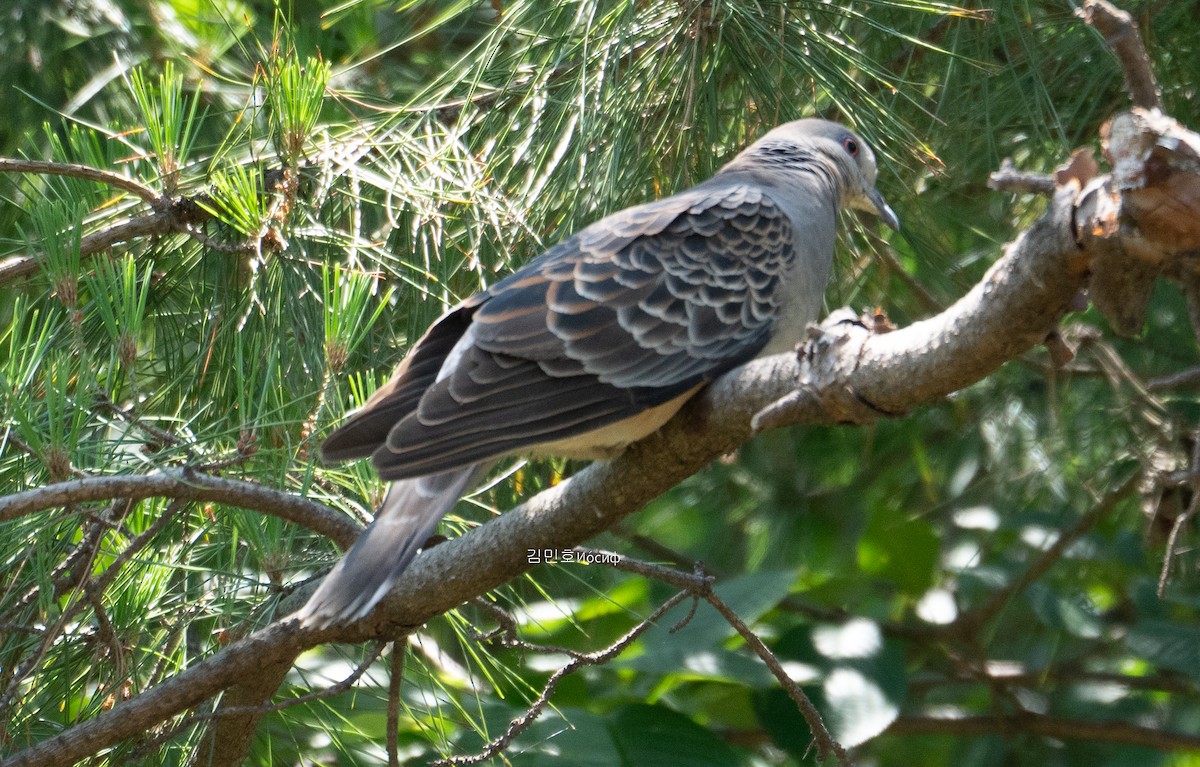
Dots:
pixel 626 315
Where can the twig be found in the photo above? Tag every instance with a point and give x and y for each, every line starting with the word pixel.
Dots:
pixel 329 692
pixel 91 589
pixel 700 585
pixel 1009 179
pixel 170 215
pixel 1118 372
pixel 130 417
pixel 696 582
pixel 106 633
pixel 76 565
pixel 651 546
pixel 521 723
pixel 505 634
pixel 181 215
pixel 393 710
pixel 1068 674
pixel 162 221
pixel 929 302
pixel 1182 520
pixel 1121 33
pixel 789 603
pixel 188 485
pixel 1182 379
pixel 69 576
pixel 105 579
pixel 970 621
pixel 88 173
pixel 824 741
pixel 9 438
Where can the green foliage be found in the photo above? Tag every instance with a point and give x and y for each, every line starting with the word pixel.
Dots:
pixel 169 120
pixel 353 168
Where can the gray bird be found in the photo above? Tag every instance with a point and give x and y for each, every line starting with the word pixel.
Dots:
pixel 597 342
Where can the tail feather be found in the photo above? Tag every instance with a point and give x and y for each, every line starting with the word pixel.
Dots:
pixel 408 516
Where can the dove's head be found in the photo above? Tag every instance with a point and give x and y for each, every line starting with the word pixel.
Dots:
pixel 828 151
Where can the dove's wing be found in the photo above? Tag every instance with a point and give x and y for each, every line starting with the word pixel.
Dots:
pixel 627 315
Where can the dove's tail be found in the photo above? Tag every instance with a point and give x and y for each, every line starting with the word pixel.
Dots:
pixel 409 515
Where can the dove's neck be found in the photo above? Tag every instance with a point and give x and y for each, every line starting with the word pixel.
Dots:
pixel 813 213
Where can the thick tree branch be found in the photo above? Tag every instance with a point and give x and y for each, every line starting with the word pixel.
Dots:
pixel 1016 305
pixel 241 710
pixel 855 375
pixel 248 658
pixel 1037 270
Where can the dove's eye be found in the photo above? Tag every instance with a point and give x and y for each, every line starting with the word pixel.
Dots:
pixel 851 146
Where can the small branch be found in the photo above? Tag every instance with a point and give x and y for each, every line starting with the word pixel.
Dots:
pixel 179 216
pixel 186 485
pixel 1183 519
pixel 971 621
pixel 85 172
pixel 521 723
pixel 161 436
pixel 329 692
pixel 701 586
pixel 161 222
pixel 170 215
pixel 68 578
pixel 698 585
pixel 1182 379
pixel 695 582
pixel 393 711
pixel 105 579
pixel 1120 31
pixel 506 635
pixel 92 589
pixel 824 741
pixel 1047 726
pixel 218 750
pixel 651 546
pixel 1067 675
pixel 1009 179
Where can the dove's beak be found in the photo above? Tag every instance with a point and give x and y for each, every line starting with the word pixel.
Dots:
pixel 874 203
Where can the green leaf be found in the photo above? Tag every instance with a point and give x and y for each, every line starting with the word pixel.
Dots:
pixel 902 551
pixel 656 735
pixel 1167 645
pixel 1068 611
